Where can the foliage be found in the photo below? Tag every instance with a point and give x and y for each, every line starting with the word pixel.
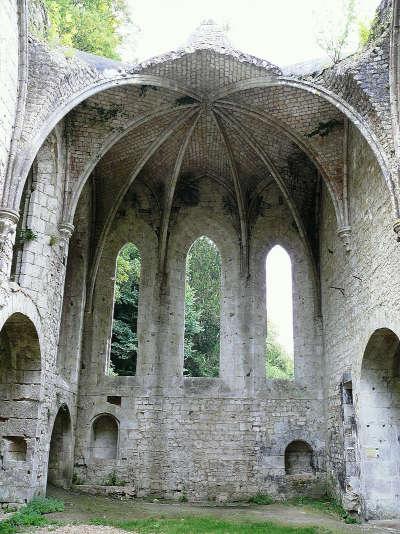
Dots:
pixel 277 361
pixel 334 27
pixel 88 25
pixel 31 515
pixel 364 32
pixel 202 315
pixel 202 309
pixel 124 343
pixel 24 235
pixel 113 480
pixel 370 30
pixel 327 505
pixel 261 498
pixel 77 480
pixel 205 525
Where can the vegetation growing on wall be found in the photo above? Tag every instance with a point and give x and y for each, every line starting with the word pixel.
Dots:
pixel 88 25
pixel 334 28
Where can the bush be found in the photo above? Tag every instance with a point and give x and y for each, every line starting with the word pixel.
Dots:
pixel 261 498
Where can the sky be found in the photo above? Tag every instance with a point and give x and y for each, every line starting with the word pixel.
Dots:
pixel 281 31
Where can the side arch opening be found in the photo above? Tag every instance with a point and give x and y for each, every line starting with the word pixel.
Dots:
pixel 61 450
pixel 202 309
pixel 20 380
pixel 378 406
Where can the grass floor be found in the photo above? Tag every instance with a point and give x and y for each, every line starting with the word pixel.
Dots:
pixel 261 515
pixel 205 525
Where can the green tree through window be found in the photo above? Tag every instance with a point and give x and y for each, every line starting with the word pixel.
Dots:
pixel 202 309
pixel 124 345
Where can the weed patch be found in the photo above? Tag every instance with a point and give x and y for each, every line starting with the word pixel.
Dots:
pixel 327 505
pixel 31 515
pixel 261 498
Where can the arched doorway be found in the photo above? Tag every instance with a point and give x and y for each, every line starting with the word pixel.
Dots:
pixel 60 454
pixel 379 417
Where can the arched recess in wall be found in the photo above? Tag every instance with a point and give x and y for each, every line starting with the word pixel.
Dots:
pixel 378 406
pixel 299 459
pixel 104 438
pixel 202 309
pixel 61 450
pixel 20 378
pixel 279 351
pixel 124 338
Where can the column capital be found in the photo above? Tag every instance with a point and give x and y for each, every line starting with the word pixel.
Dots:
pixel 8 226
pixel 8 222
pixel 65 229
pixel 345 233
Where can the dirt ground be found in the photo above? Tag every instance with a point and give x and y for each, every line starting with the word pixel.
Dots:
pixel 81 508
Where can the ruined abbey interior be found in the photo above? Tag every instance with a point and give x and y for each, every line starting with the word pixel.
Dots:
pixel 202 141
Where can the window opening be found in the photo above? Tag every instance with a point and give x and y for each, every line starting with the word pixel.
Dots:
pixel 279 299
pixel 124 342
pixel 202 309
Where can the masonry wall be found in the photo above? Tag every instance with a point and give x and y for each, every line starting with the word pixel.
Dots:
pixel 368 299
pixel 221 438
pixel 28 407
pixel 9 78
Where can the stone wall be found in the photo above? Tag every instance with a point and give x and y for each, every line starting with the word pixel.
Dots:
pixel 9 58
pixel 210 438
pixel 360 293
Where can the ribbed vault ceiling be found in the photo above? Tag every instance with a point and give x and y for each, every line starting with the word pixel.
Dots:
pixel 243 138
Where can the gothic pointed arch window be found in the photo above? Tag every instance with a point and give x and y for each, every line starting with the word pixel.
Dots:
pixel 202 309
pixel 279 303
pixel 124 341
